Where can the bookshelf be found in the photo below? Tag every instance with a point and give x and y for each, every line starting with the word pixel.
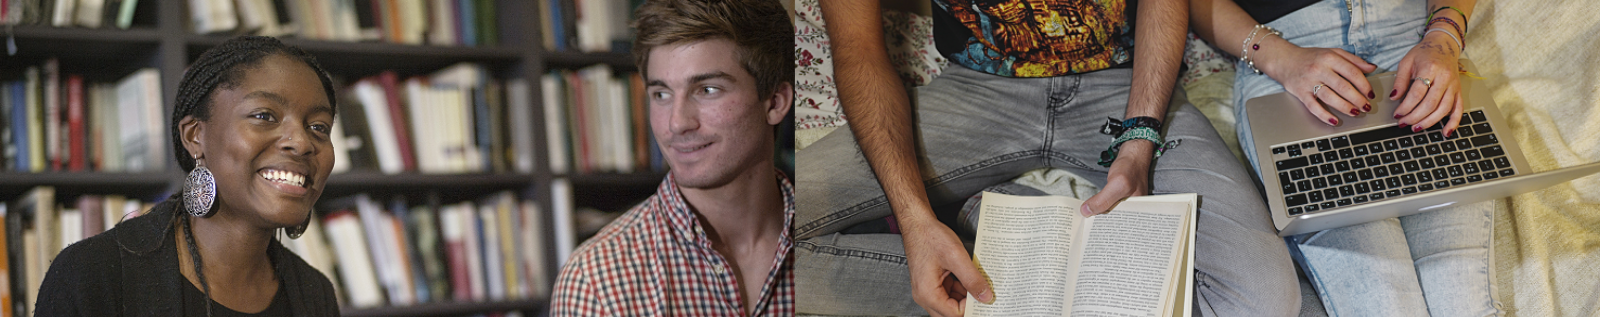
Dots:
pixel 160 37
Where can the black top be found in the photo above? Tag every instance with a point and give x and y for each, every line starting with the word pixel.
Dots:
pixel 1270 10
pixel 194 304
pixel 132 270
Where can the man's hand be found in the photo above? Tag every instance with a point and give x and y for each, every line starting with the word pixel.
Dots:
pixel 1129 176
pixel 942 273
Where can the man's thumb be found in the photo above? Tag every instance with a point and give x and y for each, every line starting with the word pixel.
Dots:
pixel 975 283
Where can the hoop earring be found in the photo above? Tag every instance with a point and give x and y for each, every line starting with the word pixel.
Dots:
pixel 298 230
pixel 200 192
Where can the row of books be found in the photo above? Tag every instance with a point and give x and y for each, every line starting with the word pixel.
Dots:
pixel 416 22
pixel 398 254
pixel 69 13
pixel 377 252
pixel 598 122
pixel 56 121
pixel 37 228
pixel 587 25
pixel 456 120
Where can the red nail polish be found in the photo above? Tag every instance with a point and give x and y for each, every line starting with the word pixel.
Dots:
pixel 1366 108
pixel 1397 115
pixel 1370 95
pixel 1391 93
pixel 1416 128
pixel 1447 132
pixel 1333 121
pixel 1353 112
pixel 1403 125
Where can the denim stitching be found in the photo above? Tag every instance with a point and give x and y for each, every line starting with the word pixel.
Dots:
pixel 836 251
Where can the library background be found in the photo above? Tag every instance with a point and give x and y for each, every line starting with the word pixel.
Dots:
pixel 478 141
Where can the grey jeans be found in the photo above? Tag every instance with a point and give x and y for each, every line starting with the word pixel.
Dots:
pixel 975 130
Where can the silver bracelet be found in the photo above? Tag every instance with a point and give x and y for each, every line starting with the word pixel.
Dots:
pixel 1244 55
pixel 1447 32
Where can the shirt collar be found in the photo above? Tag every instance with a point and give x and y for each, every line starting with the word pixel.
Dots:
pixel 674 209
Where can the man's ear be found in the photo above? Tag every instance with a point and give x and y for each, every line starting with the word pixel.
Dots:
pixel 189 132
pixel 781 101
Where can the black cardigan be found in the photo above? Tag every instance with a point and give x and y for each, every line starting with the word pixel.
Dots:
pixel 132 270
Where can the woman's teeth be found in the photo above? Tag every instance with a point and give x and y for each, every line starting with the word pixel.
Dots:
pixel 284 177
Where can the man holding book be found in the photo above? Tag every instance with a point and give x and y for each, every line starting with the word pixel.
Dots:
pixel 714 239
pixel 1030 86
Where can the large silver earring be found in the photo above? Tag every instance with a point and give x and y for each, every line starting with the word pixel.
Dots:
pixel 200 192
pixel 298 230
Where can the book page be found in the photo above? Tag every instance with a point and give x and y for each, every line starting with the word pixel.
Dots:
pixel 1023 247
pixel 1127 258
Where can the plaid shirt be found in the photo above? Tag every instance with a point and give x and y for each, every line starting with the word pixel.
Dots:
pixel 656 261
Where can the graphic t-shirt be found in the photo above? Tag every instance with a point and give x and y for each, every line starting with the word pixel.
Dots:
pixel 1035 38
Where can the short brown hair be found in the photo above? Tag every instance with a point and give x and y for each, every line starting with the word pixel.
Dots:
pixel 759 28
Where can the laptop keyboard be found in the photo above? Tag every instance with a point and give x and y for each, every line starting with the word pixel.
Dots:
pixel 1372 166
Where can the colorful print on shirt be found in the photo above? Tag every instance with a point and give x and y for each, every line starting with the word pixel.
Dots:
pixel 1035 38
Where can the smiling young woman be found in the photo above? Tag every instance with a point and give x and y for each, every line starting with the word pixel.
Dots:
pixel 251 126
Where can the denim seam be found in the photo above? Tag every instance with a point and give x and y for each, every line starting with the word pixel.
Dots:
pixel 849 212
pixel 878 256
pixel 852 211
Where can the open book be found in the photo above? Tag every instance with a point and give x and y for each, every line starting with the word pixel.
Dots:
pixel 1043 258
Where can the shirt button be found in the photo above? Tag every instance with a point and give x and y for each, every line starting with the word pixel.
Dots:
pixel 716 268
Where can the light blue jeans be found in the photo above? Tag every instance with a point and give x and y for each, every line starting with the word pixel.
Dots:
pixel 1438 262
pixel 975 130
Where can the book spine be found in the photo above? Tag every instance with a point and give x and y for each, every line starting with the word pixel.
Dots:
pixel 399 119
pixel 355 267
pixel 75 129
pixel 52 106
pixel 555 122
pixel 455 245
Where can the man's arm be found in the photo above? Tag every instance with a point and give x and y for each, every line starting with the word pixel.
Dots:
pixel 874 99
pixel 1158 44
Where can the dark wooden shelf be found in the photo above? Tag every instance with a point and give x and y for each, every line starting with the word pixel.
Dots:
pixel 618 61
pixel 449 187
pixel 613 192
pixel 142 185
pixel 447 309
pixel 360 59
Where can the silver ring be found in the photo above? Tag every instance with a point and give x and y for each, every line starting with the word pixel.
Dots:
pixel 1314 90
pixel 1425 81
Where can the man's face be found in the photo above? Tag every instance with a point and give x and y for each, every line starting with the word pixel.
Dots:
pixel 706 115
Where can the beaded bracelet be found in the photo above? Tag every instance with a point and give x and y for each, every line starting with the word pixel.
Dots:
pixel 1145 133
pixel 1447 32
pixel 1459 30
pixel 1458 11
pixel 1244 54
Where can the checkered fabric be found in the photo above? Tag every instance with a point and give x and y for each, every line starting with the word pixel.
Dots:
pixel 656 261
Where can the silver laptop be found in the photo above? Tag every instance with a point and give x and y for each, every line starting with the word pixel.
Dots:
pixel 1322 177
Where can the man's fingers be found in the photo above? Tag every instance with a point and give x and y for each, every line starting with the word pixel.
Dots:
pixel 973 280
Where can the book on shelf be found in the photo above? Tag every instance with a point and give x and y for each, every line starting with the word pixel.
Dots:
pixel 68 13
pixel 140 110
pixel 356 275
pixel 561 217
pixel 400 254
pixel 597 122
pixel 456 120
pixel 413 22
pixel 37 227
pixel 7 289
pixel 587 26
pixel 1043 258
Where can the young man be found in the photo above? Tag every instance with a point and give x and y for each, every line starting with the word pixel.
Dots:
pixel 714 239
pixel 1029 87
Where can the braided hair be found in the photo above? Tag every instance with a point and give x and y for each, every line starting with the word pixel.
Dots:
pixel 224 67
